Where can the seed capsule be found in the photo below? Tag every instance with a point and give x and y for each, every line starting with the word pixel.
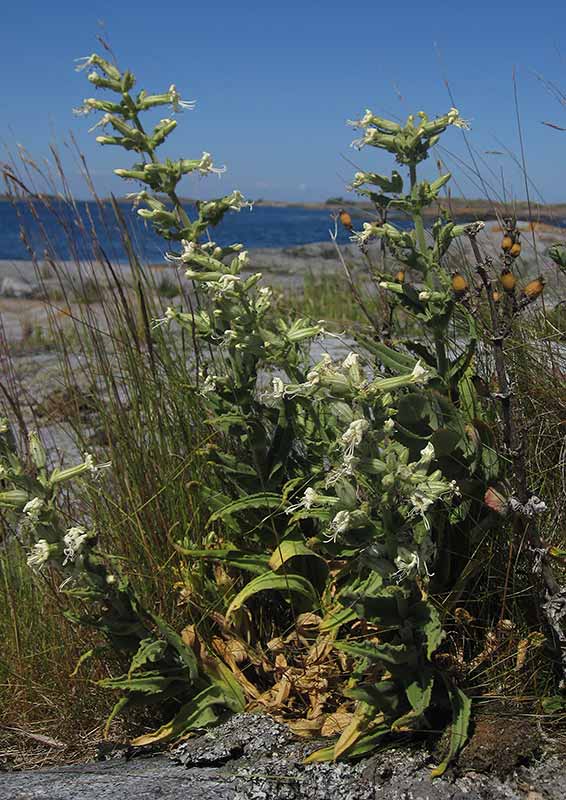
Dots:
pixel 515 250
pixel 506 244
pixel 459 284
pixel 508 280
pixel 534 288
pixel 400 276
pixel 496 297
pixel 345 219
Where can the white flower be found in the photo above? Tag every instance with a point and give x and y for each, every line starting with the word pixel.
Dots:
pixel 278 388
pixel 420 374
pixel 363 122
pixel 359 179
pixel 454 118
pixel 94 468
pixel 243 258
pixel 353 436
pixel 3 424
pixel 39 555
pixel 189 248
pixel 206 166
pixel 209 385
pixel 421 502
pixel 227 281
pixel 83 62
pixel 177 104
pixel 33 508
pixel 349 464
pixel 339 525
pixel 424 295
pixel 102 122
pixel 427 454
pixel 363 236
pixel 82 111
pixel 389 425
pixel 73 541
pixel 351 360
pixel 313 379
pixel 407 563
pixel 237 201
pixel 309 498
pixel 170 313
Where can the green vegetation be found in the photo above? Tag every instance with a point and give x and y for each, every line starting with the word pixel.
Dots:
pixel 356 545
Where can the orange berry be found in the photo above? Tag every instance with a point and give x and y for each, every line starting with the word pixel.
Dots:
pixel 534 288
pixel 506 244
pixel 496 297
pixel 508 280
pixel 515 250
pixel 459 284
pixel 400 276
pixel 345 219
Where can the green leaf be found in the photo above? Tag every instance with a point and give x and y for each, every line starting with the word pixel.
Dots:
pixel 334 619
pixel 249 562
pixel 445 441
pixel 254 501
pixel 553 704
pixel 460 365
pixel 84 657
pixel 119 706
pixel 392 655
pixel 384 605
pixel 150 682
pixel 413 408
pixel 271 581
pixel 149 650
pixel 557 252
pixel 423 352
pixel 200 712
pixel 384 696
pixel 419 695
pixel 185 653
pixel 461 710
pixel 362 747
pixel 392 359
pixel 429 623
pixel 287 549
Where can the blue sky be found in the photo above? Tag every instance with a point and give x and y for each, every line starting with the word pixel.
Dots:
pixel 276 81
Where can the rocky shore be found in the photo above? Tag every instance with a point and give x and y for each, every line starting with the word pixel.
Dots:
pixel 27 293
pixel 252 757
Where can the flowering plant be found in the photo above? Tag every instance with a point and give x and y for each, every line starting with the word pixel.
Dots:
pixel 351 489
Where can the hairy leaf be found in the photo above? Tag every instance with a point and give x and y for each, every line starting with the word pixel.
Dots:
pixel 272 581
pixel 461 709
pixel 260 500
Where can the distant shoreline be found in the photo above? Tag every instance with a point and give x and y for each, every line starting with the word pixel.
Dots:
pixel 458 207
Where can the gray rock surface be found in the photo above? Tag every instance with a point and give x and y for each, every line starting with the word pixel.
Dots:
pixel 251 757
pixel 18 288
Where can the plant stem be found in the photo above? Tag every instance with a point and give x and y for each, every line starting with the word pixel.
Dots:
pixel 183 216
pixel 417 216
pixel 524 525
pixel 439 344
